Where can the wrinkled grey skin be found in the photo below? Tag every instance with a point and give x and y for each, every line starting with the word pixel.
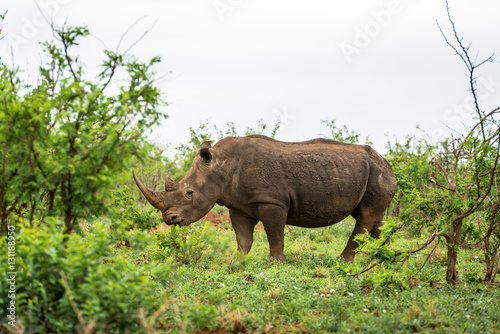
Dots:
pixel 309 184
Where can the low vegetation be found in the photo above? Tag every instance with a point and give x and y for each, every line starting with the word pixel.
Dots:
pixel 178 280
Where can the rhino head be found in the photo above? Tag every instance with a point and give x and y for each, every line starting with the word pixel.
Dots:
pixel 190 199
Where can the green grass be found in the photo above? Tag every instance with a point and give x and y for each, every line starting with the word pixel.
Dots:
pixel 313 291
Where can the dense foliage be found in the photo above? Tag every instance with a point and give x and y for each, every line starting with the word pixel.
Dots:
pixel 191 280
pixel 64 141
pixel 69 286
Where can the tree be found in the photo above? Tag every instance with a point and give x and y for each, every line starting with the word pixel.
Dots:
pixel 465 173
pixel 451 188
pixel 64 141
pixel 463 176
pixel 465 169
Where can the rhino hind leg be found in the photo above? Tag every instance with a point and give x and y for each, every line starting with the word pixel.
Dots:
pixel 375 232
pixel 244 228
pixel 367 220
pixel 371 210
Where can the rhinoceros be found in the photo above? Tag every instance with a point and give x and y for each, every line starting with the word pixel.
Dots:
pixel 314 183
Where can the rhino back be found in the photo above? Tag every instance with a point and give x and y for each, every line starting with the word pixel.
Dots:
pixel 319 181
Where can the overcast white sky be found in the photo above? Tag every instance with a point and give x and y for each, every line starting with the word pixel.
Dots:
pixel 377 66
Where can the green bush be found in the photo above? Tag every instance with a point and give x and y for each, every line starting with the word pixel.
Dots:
pixel 126 208
pixel 203 317
pixel 65 140
pixel 188 245
pixel 67 287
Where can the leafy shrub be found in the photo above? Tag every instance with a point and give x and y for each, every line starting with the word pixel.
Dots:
pixel 187 245
pixel 65 140
pixel 127 209
pixel 203 317
pixel 67 287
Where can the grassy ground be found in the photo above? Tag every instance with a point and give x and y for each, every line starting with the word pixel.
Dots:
pixel 212 289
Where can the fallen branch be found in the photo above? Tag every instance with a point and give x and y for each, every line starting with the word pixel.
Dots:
pixel 424 245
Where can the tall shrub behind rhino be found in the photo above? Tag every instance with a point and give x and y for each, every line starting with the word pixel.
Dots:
pixel 64 141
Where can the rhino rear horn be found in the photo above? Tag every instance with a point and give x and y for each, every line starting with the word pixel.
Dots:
pixel 170 185
pixel 155 198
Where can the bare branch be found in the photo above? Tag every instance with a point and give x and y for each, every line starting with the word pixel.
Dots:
pixel 140 38
pixel 428 257
pixel 44 15
pixel 366 269
pixel 463 52
pixel 424 245
pixel 490 59
pixel 126 32
pixel 451 45
pixel 451 186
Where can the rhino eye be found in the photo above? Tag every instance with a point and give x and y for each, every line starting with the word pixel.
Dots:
pixel 189 194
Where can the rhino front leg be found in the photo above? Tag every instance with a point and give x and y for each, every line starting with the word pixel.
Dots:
pixel 243 227
pixel 273 218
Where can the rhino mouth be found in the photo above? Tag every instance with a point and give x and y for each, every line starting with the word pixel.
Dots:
pixel 174 219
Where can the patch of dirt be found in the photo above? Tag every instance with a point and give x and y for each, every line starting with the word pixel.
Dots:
pixel 217 219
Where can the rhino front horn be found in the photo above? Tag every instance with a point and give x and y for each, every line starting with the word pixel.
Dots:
pixel 170 185
pixel 155 198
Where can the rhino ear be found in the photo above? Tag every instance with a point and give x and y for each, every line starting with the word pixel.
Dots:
pixel 206 144
pixel 205 153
